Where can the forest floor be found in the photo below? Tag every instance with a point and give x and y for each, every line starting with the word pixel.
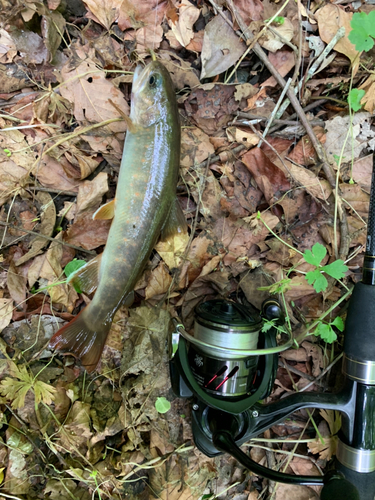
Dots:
pixel 276 103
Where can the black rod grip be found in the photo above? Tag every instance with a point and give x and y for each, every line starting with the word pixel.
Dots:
pixel 369 260
pixel 359 339
pixel 364 482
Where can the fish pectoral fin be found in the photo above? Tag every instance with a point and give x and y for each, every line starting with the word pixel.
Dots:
pixel 176 222
pixel 86 278
pixel 105 212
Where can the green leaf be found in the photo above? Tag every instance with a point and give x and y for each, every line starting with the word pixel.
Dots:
pixel 162 405
pixel 325 332
pixel 336 269
pixel 338 323
pixel 317 279
pixel 363 28
pixel 315 255
pixel 354 99
pixel 268 324
pixel 73 266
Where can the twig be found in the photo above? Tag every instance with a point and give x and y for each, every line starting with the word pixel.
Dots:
pixel 49 238
pixel 273 114
pixel 322 374
pixel 279 123
pixel 55 191
pixel 212 159
pixel 298 372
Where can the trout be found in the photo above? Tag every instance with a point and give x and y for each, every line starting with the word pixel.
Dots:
pixel 145 206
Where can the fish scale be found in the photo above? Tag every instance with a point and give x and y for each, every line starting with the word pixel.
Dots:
pixel 145 198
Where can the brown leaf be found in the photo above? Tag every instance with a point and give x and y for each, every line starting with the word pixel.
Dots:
pixel 90 193
pixel 8 49
pixel 6 312
pixel 51 174
pixel 319 188
pixel 195 147
pixel 16 284
pixel 304 152
pixel 133 14
pixel 104 13
pixel 362 171
pixel 272 42
pixel 89 89
pixel 283 61
pixel 330 18
pixel 172 249
pixel 183 28
pixel 270 179
pixel 88 233
pixel 356 197
pixel 250 10
pixel 159 282
pixel 48 220
pixel 221 48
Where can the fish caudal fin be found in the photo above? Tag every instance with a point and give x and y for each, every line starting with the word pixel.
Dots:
pixel 81 340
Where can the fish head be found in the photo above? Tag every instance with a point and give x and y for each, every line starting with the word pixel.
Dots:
pixel 153 96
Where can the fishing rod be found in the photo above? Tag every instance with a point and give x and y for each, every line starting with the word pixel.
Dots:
pixel 229 365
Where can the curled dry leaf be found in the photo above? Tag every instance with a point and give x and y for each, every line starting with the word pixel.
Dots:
pixel 221 48
pixel 90 193
pixel 88 233
pixel 271 41
pixel 159 281
pixel 172 249
pixel 183 27
pixel 48 220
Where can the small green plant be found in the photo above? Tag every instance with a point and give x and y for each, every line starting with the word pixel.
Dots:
pixel 272 323
pixel 336 269
pixel 281 286
pixel 162 405
pixel 354 99
pixel 71 268
pixel 278 20
pixel 326 332
pixel 363 30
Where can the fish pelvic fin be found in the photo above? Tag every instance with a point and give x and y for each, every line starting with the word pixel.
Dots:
pixel 105 212
pixel 86 278
pixel 81 340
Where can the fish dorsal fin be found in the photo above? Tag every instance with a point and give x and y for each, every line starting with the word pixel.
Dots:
pixel 105 212
pixel 86 278
pixel 176 222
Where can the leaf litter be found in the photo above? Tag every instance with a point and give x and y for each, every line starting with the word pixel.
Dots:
pixel 260 212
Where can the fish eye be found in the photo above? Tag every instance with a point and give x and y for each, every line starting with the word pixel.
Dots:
pixel 153 81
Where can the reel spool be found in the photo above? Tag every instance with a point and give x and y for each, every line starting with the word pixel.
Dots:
pixel 221 328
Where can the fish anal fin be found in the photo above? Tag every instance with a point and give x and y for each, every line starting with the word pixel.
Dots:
pixel 86 278
pixel 175 224
pixel 105 212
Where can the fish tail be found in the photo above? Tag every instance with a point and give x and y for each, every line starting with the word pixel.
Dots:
pixel 81 340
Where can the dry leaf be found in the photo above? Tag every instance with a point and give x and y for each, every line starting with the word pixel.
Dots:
pixel 183 28
pixel 48 220
pixel 6 312
pixel 195 147
pixel 272 42
pixel 283 61
pixel 172 249
pixel 89 89
pixel 368 100
pixel 159 282
pixel 8 47
pixel 88 233
pixel 319 188
pixel 90 193
pixel 221 48
pixel 105 13
pixel 330 19
pixel 134 14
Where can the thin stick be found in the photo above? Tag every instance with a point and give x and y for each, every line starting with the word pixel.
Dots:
pixel 49 238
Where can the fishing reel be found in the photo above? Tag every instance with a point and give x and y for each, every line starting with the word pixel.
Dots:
pixel 227 365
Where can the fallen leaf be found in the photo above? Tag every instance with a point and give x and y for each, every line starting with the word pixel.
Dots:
pixel 48 220
pixel 16 284
pixel 270 179
pixel 221 48
pixel 330 18
pixel 337 130
pixel 90 193
pixel 51 174
pixel 368 100
pixel 362 172
pixel 183 28
pixel 89 89
pixel 148 37
pixel 195 147
pixel 319 188
pixel 250 10
pixel 271 41
pixel 172 249
pixel 88 233
pixel 8 47
pixel 6 312
pixel 283 61
pixel 104 13
pixel 159 282
pixel 134 14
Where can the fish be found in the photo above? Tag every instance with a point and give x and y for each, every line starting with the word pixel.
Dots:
pixel 145 207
